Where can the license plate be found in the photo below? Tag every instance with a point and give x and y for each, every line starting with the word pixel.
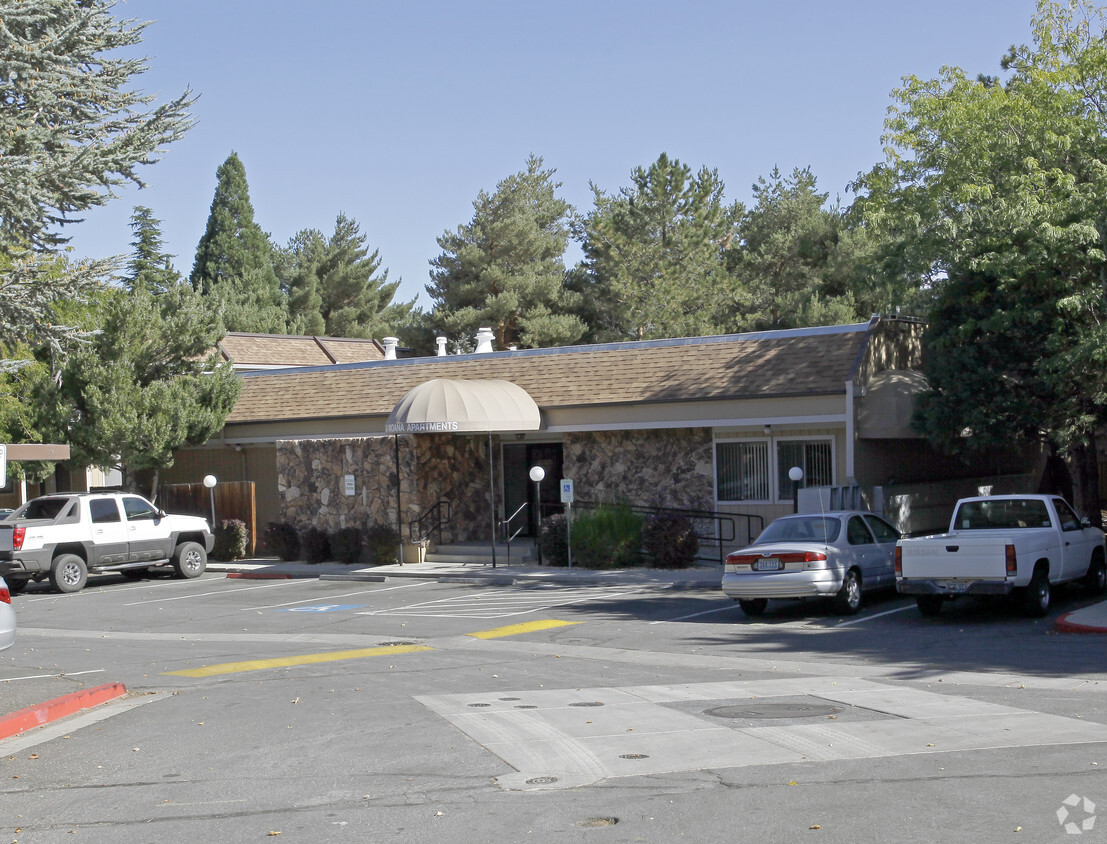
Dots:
pixel 957 586
pixel 768 564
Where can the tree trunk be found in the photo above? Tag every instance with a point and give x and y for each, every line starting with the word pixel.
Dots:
pixel 1085 458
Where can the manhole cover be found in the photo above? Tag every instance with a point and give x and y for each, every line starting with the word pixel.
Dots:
pixel 479 705
pixel 596 822
pixel 526 706
pixel 587 703
pixel 633 756
pixel 394 644
pixel 541 780
pixel 774 710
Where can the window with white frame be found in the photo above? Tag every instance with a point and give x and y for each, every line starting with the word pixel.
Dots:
pixel 815 457
pixel 742 470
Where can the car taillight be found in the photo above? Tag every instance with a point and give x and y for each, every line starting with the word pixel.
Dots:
pixel 17 538
pixel 5 595
pixel 786 557
pixel 899 561
pixel 1012 561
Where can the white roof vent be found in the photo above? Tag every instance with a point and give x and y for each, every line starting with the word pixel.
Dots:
pixel 441 341
pixel 390 344
pixel 484 340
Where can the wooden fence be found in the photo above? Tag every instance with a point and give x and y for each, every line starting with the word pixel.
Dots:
pixel 233 500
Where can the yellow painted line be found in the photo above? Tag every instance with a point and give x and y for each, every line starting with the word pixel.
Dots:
pixel 516 629
pixel 288 661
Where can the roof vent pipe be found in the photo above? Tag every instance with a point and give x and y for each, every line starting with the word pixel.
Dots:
pixel 390 347
pixel 484 340
pixel 441 341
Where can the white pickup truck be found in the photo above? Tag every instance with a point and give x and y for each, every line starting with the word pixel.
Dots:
pixel 1020 545
pixel 65 536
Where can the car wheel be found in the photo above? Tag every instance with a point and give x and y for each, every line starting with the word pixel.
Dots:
pixel 848 599
pixel 753 606
pixel 929 605
pixel 69 573
pixel 190 559
pixel 1035 598
pixel 1095 581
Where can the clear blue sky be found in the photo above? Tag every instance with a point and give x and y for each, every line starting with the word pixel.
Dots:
pixel 398 113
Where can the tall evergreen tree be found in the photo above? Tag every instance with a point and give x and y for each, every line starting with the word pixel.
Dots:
pixel 234 258
pixel 334 288
pixel 654 254
pixel 505 268
pixel 785 260
pixel 71 129
pixel 148 382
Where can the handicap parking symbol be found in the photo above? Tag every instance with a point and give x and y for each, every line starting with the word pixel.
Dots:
pixel 322 608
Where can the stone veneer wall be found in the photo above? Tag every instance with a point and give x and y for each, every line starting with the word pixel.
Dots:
pixel 311 482
pixel 666 467
pixel 455 467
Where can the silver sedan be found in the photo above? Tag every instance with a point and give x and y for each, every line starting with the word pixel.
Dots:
pixel 838 554
pixel 7 617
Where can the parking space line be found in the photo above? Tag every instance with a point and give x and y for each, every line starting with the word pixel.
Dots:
pixel 502 603
pixel 208 594
pixel 729 606
pixel 343 595
pixel 290 661
pixel 525 627
pixel 870 617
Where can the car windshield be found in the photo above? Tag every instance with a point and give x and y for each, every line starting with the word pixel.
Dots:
pixel 1002 514
pixel 806 528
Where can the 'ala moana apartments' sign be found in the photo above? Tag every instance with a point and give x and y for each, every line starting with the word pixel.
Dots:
pixel 421 427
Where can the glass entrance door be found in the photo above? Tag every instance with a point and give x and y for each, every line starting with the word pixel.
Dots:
pixel 518 460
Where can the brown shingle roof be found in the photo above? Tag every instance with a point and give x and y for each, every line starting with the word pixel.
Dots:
pixel 762 365
pixel 246 350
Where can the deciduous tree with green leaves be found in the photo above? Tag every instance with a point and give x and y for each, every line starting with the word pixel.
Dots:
pixel 71 129
pixel 505 268
pixel 234 261
pixel 654 255
pixel 994 194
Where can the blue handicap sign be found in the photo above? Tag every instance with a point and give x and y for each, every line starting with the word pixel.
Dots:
pixel 322 608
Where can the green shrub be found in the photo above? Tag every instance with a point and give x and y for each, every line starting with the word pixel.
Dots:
pixel 552 545
pixel 346 545
pixel 670 540
pixel 607 538
pixel 231 540
pixel 283 540
pixel 384 545
pixel 317 549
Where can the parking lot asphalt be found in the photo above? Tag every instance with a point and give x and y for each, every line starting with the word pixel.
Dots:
pixel 36 700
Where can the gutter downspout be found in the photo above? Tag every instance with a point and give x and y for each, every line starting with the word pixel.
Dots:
pixel 850 433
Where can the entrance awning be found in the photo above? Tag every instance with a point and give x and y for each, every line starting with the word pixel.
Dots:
pixel 889 402
pixel 452 406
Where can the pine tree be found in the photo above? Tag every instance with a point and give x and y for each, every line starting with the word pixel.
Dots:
pixel 334 288
pixel 505 268
pixel 234 259
pixel 149 266
pixel 71 129
pixel 654 255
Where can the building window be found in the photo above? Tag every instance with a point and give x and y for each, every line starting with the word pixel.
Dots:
pixel 815 457
pixel 742 471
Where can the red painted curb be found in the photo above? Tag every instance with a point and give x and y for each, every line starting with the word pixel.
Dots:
pixel 1072 627
pixel 59 707
pixel 256 575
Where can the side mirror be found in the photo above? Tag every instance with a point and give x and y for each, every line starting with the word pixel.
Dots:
pixel 1085 521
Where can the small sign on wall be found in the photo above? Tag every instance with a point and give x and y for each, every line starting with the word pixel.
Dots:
pixel 349 483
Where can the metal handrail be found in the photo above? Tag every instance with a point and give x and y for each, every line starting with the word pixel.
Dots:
pixel 505 525
pixel 711 526
pixel 419 532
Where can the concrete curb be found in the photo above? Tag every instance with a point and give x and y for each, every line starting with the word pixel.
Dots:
pixel 1065 626
pixel 52 710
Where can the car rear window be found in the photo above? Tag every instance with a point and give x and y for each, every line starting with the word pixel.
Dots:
pixel 44 508
pixel 803 528
pixel 1006 514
